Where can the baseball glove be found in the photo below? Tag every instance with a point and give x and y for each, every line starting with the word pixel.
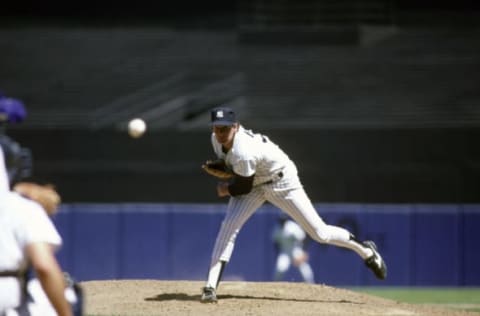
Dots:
pixel 45 195
pixel 218 169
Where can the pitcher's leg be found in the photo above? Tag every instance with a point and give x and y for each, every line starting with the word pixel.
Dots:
pixel 297 204
pixel 239 211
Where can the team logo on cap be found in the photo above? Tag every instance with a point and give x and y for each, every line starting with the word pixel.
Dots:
pixel 220 114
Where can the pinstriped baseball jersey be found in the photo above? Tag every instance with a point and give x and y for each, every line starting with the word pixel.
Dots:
pixel 253 153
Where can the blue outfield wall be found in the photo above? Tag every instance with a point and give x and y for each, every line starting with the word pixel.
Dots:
pixel 423 245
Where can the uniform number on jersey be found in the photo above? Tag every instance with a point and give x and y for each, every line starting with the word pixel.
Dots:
pixel 252 134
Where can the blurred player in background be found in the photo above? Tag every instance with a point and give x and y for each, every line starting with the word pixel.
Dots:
pixel 28 238
pixel 290 242
pixel 263 172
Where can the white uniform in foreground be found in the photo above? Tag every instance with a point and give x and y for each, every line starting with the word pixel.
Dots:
pixel 265 173
pixel 23 223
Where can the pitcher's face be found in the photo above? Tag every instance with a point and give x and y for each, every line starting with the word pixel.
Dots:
pixel 225 134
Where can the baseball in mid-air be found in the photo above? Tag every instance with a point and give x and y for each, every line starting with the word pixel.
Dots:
pixel 136 127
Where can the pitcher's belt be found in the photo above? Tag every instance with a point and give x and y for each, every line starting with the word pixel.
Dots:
pixel 278 176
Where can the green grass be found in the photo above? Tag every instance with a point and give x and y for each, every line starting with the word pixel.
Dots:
pixel 467 298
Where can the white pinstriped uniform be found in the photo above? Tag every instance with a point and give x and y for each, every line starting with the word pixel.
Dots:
pixel 254 153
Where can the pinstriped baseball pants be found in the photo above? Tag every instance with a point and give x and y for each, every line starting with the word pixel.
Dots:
pixel 288 195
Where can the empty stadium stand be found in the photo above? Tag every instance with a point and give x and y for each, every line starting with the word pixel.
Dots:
pixel 387 109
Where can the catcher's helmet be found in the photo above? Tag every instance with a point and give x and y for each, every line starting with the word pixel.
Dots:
pixel 11 110
pixel 18 159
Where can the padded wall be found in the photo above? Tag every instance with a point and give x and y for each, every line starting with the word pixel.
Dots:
pixel 423 245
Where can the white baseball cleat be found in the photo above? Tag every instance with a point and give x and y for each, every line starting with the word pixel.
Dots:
pixel 375 262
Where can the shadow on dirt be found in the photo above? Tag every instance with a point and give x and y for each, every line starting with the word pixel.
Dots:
pixel 187 297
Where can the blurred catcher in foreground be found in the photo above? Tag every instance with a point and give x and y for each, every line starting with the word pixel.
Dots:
pixel 31 280
pixel 45 195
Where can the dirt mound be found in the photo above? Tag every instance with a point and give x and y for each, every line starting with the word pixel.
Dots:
pixel 152 297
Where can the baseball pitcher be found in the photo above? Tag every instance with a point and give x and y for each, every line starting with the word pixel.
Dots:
pixel 260 171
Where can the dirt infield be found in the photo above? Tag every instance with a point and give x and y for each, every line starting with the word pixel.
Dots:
pixel 150 297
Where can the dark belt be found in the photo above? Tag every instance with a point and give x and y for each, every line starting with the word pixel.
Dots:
pixel 279 176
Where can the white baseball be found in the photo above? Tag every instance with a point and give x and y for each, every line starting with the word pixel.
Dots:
pixel 136 127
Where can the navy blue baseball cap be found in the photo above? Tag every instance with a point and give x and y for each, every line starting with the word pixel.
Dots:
pixel 223 116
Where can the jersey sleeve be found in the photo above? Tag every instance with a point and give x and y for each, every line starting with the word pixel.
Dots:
pixel 38 226
pixel 244 162
pixel 244 167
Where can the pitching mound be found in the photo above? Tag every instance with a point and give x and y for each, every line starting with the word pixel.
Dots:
pixel 150 297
